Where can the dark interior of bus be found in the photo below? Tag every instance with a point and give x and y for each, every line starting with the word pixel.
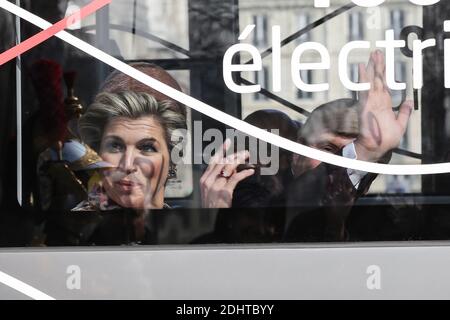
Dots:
pixel 378 216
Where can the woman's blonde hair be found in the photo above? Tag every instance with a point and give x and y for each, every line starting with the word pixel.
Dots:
pixel 129 104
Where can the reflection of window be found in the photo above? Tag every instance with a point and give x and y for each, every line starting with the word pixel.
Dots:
pixel 356 26
pixel 400 72
pixel 397 21
pixel 260 32
pixel 397 95
pixel 354 77
pixel 306 76
pixel 353 74
pixel 400 76
pixel 262 78
pixel 398 184
pixel 404 143
pixel 303 21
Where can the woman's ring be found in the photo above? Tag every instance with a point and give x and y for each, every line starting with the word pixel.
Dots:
pixel 223 174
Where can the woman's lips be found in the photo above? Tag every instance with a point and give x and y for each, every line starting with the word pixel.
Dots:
pixel 126 185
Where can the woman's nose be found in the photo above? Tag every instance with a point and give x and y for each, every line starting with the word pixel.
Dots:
pixel 128 162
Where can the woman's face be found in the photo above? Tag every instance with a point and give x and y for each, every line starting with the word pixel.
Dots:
pixel 138 150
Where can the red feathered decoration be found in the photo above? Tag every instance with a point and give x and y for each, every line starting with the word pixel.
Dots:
pixel 46 76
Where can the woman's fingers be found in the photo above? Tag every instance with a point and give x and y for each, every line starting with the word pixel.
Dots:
pixel 226 146
pixel 217 188
pixel 216 159
pixel 404 114
pixel 225 168
pixel 238 177
pixel 220 154
pixel 233 162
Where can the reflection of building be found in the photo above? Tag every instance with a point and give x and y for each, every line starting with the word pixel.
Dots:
pixel 367 24
pixel 168 20
pixel 153 17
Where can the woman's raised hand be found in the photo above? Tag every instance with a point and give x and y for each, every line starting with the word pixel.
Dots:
pixel 218 182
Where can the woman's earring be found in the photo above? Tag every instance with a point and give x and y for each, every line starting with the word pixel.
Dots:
pixel 172 172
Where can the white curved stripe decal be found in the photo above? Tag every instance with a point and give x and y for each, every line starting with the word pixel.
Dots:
pixel 22 287
pixel 224 117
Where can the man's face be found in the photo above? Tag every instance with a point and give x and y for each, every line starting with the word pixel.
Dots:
pixel 325 141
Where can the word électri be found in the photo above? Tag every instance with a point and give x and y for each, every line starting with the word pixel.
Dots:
pixel 389 44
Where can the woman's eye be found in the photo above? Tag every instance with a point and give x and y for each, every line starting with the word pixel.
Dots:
pixel 147 147
pixel 114 147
